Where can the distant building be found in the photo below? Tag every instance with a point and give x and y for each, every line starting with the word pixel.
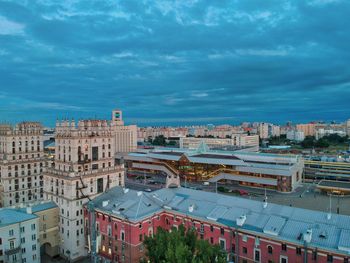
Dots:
pixel 347 125
pixel 308 129
pixel 117 222
pixel 263 129
pixel 275 130
pixel 297 136
pixel 21 163
pixel 237 140
pixel 125 135
pixel 322 132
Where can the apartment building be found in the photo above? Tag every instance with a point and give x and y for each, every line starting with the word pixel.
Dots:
pixel 21 163
pixel 84 167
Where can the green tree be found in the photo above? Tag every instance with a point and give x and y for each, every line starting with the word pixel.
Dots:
pixel 181 246
pixel 159 140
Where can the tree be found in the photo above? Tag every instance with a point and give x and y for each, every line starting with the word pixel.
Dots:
pixel 181 246
pixel 159 140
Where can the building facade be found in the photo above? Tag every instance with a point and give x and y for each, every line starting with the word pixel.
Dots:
pixel 308 129
pixel 250 231
pixel 237 140
pixel 19 236
pixel 84 167
pixel 21 163
pixel 125 135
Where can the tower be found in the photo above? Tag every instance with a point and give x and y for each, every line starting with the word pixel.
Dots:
pixel 21 163
pixel 117 117
pixel 84 168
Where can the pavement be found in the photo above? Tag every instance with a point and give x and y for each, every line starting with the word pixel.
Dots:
pixel 306 196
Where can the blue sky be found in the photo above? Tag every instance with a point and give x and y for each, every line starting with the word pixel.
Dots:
pixel 173 62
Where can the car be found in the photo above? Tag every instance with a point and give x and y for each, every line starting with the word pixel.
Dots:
pixel 243 192
pixel 206 183
pixel 148 190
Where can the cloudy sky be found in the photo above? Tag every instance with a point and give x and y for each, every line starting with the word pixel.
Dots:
pixel 173 62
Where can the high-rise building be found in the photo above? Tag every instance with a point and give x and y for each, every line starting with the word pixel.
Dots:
pixel 84 168
pixel 125 135
pixel 348 127
pixel 21 163
pixel 263 130
pixel 308 129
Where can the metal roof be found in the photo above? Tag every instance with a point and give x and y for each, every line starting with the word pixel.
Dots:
pixel 275 221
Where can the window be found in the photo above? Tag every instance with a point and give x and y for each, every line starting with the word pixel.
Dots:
pixel 140 237
pixel 33 226
pixel 283 259
pixel 346 260
pixel 34 247
pixel 222 231
pixel 298 251
pixel 257 255
pixel 314 255
pixel 211 229
pixel 11 232
pixel 33 237
pixel 12 244
pixel 245 250
pixel 269 249
pixel 223 244
pixel 329 258
pixel 284 247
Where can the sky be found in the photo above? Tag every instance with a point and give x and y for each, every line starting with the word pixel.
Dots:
pixel 175 62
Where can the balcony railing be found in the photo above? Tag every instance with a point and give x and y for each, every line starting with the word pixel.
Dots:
pixel 12 251
pixel 83 173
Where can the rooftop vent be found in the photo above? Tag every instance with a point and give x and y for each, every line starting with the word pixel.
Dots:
pixel 191 208
pixel 264 204
pixel 241 220
pixel 308 236
pixel 105 203
pixel 29 210
pixel 323 235
pixel 126 190
pixel 329 216
pixel 139 193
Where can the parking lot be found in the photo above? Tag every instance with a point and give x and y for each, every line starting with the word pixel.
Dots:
pixel 306 196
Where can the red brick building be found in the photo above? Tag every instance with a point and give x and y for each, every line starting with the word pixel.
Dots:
pixel 249 231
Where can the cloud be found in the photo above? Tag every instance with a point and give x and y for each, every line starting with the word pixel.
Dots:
pixel 8 27
pixel 252 60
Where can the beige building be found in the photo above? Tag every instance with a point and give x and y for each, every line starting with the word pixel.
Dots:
pixel 84 168
pixel 263 130
pixel 125 135
pixel 21 163
pixel 308 129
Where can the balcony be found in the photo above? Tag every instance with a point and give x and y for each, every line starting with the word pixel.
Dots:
pixel 84 161
pixel 112 169
pixel 12 251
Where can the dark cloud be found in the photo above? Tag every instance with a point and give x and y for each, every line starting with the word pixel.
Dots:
pixel 223 61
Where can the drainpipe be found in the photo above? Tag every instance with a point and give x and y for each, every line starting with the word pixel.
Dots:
pixel 237 246
pixel 305 252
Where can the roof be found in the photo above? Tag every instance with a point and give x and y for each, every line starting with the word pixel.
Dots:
pixel 10 216
pixel 286 223
pixel 41 206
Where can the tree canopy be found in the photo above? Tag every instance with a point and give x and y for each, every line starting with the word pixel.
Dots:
pixel 181 246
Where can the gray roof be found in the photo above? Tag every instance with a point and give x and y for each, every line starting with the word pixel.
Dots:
pixel 282 222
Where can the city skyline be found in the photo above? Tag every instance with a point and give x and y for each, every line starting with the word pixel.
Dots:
pixel 175 63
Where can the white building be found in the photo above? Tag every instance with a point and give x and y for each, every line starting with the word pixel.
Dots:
pixel 275 130
pixel 263 130
pixel 295 135
pixel 323 132
pixel 21 163
pixel 19 236
pixel 237 140
pixel 348 127
pixel 84 168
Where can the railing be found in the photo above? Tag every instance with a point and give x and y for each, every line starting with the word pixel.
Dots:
pixel 12 251
pixel 83 173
